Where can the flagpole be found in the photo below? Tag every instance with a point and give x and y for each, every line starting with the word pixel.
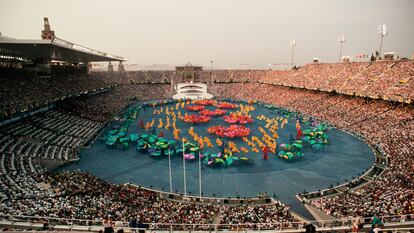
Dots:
pixel 169 167
pixel 185 181
pixel 199 169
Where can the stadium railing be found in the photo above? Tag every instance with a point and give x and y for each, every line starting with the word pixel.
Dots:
pixel 391 223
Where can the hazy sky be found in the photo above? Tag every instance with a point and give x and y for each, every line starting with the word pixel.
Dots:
pixel 233 33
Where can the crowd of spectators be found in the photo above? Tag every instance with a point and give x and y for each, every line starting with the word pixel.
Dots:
pixel 392 80
pixel 83 196
pixel 102 107
pixel 386 125
pixel 385 80
pixel 21 92
pixel 79 195
pixel 271 216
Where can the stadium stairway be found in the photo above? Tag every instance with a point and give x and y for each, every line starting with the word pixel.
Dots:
pixel 319 215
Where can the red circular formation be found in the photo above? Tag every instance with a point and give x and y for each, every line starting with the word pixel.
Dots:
pixel 194 108
pixel 231 132
pixel 217 112
pixel 226 105
pixel 194 119
pixel 240 119
pixel 204 102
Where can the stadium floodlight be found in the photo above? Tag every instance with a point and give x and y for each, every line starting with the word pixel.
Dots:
pixel 382 31
pixel 341 40
pixel 292 44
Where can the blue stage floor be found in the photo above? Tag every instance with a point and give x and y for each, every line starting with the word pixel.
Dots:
pixel 344 158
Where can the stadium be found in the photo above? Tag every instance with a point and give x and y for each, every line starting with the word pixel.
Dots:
pixel 88 143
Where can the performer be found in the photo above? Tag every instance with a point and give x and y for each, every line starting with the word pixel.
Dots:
pixel 265 153
pixel 291 139
pixel 222 147
pixel 170 148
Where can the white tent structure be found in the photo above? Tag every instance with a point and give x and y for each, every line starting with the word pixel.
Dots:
pixel 191 90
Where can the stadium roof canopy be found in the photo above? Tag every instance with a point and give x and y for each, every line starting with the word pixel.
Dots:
pixel 54 49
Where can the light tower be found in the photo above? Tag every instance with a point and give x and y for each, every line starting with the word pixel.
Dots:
pixel 110 67
pixel 341 39
pixel 121 67
pixel 292 45
pixel 382 31
pixel 47 33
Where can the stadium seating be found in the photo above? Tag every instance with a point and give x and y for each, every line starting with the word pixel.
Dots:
pixel 387 125
pixel 329 92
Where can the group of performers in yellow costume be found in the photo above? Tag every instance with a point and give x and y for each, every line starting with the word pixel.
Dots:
pixel 267 139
